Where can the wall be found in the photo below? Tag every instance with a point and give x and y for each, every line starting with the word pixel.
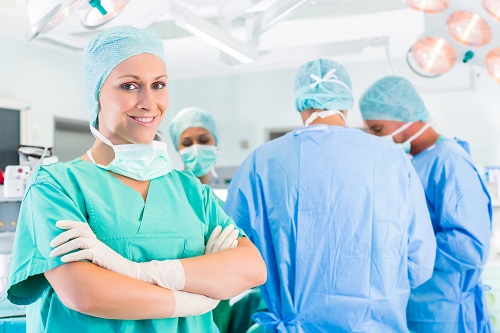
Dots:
pixel 246 105
pixel 47 79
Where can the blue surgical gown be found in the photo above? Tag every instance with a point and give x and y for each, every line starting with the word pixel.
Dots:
pixel 173 223
pixel 453 299
pixel 340 219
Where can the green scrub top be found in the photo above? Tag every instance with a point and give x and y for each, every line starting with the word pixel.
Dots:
pixel 174 222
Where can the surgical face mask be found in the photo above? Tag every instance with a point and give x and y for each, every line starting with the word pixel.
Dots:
pixel 406 146
pixel 323 114
pixel 200 159
pixel 136 161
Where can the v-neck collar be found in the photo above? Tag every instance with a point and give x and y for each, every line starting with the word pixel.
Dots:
pixel 136 193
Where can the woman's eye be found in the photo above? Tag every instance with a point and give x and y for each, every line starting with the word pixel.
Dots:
pixel 128 86
pixel 187 143
pixel 159 85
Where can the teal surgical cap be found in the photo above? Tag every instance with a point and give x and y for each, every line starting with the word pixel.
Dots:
pixel 109 48
pixel 323 84
pixel 192 117
pixel 393 98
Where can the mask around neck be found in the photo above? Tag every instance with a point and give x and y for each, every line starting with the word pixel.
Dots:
pixel 136 161
pixel 322 115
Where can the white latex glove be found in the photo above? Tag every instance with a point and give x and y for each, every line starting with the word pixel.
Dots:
pixel 78 235
pixel 222 240
pixel 187 304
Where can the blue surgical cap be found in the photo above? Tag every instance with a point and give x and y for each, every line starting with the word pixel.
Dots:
pixel 323 84
pixel 393 98
pixel 109 48
pixel 192 117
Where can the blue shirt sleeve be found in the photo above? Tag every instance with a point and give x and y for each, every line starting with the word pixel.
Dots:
pixel 464 234
pixel 421 239
pixel 240 198
pixel 44 204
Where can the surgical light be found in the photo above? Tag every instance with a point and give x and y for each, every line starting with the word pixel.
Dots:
pixel 464 33
pixel 48 14
pixel 492 61
pixel 469 28
pixel 434 55
pixel 493 8
pixel 428 6
pixel 95 16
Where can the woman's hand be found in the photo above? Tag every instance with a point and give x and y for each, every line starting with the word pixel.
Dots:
pixel 222 240
pixel 79 236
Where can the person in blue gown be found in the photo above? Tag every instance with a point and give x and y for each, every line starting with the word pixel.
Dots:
pixel 453 300
pixel 338 215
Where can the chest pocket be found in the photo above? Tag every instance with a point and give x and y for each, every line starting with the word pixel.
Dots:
pixel 161 229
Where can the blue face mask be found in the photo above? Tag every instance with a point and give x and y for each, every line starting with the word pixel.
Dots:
pixel 136 161
pixel 200 159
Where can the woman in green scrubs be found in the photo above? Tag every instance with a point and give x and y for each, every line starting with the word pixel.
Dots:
pixel 134 205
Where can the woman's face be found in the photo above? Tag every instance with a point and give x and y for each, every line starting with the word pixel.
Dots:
pixel 133 100
pixel 195 136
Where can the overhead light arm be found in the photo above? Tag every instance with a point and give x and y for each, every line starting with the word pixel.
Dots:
pixel 274 14
pixel 213 35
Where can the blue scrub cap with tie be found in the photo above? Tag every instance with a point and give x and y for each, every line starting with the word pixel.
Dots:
pixel 393 98
pixel 192 117
pixel 323 84
pixel 109 48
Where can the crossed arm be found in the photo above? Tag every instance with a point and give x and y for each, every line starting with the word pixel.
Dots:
pixel 90 289
pixel 99 292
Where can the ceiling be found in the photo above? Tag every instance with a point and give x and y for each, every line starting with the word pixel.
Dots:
pixel 354 30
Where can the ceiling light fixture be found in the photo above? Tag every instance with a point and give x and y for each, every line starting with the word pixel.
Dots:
pixel 492 61
pixel 428 6
pixel 286 12
pixel 469 28
pixel 48 14
pixel 461 32
pixel 433 55
pixel 103 12
pixel 493 8
pixel 213 35
pixel 217 43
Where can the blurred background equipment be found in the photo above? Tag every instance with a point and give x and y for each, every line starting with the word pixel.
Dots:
pixel 12 317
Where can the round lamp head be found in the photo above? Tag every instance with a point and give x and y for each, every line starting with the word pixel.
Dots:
pixel 428 6
pixel 469 28
pixel 492 61
pixel 434 55
pixel 45 15
pixel 493 8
